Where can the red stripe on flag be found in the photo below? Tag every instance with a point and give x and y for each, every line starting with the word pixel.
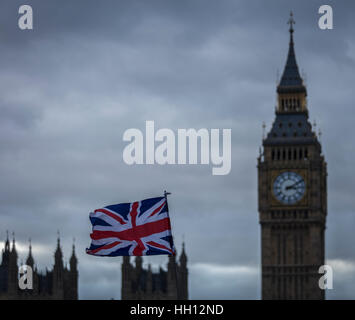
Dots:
pixel 157 210
pixel 134 213
pixel 107 246
pixel 112 215
pixel 158 245
pixel 134 233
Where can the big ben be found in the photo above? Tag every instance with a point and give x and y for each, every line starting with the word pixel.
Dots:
pixel 292 194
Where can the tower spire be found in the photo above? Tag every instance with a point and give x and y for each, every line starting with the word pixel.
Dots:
pixel 58 256
pixel 73 259
pixel 30 261
pixel 291 75
pixel 7 242
pixel 13 242
pixel 291 90
pixel 183 257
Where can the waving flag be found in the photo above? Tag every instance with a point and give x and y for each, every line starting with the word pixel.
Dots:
pixel 132 229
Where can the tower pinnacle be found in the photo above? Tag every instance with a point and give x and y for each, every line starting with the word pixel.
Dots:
pixel 73 259
pixel 291 90
pixel 7 242
pixel 58 256
pixel 291 22
pixel 13 242
pixel 30 261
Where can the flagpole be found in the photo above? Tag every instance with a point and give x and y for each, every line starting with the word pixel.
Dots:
pixel 176 276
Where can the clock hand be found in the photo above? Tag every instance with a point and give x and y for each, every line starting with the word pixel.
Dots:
pixel 293 186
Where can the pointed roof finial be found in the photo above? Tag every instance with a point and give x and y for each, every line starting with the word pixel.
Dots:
pixel 58 249
pixel 73 253
pixel 73 259
pixel 7 242
pixel 13 250
pixel 291 22
pixel 183 257
pixel 29 260
pixel 264 127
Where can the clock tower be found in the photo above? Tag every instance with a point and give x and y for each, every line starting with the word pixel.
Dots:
pixel 292 192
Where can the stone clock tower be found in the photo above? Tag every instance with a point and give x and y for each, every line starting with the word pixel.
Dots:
pixel 292 190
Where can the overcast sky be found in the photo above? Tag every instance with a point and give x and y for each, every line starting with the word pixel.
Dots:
pixel 90 70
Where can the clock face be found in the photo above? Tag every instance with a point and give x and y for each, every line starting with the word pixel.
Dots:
pixel 289 187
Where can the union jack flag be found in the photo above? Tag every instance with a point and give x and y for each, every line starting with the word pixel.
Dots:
pixel 132 229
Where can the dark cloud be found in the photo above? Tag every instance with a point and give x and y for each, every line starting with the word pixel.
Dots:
pixel 69 89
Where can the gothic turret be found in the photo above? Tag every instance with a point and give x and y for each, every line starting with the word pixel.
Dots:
pixel 73 260
pixel 58 271
pixel 72 277
pixel 183 275
pixel 126 278
pixel 183 257
pixel 58 255
pixel 13 268
pixel 172 283
pixel 6 251
pixel 30 260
